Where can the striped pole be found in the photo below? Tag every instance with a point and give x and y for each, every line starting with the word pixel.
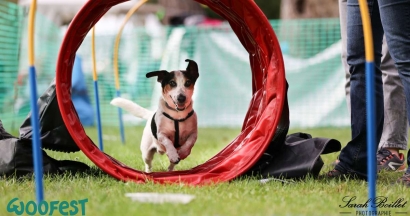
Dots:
pixel 370 106
pixel 115 61
pixel 37 156
pixel 96 95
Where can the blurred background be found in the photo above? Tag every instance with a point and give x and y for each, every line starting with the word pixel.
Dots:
pixel 161 35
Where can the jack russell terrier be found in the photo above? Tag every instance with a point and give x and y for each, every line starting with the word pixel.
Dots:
pixel 172 129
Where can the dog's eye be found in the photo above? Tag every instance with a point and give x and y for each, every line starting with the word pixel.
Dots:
pixel 188 83
pixel 172 83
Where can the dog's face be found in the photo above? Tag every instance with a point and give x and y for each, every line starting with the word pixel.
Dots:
pixel 177 86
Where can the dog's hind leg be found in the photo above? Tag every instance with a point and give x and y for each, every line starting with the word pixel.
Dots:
pixel 148 156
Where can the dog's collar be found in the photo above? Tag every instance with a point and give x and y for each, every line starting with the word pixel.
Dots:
pixel 176 125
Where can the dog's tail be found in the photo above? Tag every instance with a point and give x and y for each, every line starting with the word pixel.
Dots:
pixel 132 108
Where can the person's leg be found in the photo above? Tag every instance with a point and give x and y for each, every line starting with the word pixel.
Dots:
pixel 343 29
pixel 353 157
pixel 394 136
pixel 343 21
pixel 395 16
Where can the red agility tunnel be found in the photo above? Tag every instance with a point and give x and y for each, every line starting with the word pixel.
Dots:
pixel 260 123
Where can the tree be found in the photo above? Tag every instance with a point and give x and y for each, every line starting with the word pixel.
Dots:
pixel 271 8
pixel 175 8
pixel 298 9
pixel 298 35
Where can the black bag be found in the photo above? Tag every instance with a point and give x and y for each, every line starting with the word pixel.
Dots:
pixel 16 156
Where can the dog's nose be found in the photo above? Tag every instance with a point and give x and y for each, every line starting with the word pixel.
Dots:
pixel 181 98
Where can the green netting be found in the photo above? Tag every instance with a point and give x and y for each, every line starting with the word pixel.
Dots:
pixel 14 89
pixel 311 51
pixel 10 32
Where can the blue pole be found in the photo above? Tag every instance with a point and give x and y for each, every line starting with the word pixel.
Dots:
pixel 36 148
pixel 97 104
pixel 120 119
pixel 371 135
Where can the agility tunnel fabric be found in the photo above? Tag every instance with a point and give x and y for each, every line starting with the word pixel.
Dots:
pixel 260 123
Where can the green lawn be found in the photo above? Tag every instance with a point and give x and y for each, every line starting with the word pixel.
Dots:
pixel 106 196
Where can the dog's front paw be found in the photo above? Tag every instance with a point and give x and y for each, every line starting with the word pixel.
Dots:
pixel 176 162
pixel 173 157
pixel 183 153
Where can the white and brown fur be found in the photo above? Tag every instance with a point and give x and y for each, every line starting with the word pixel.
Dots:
pixel 176 101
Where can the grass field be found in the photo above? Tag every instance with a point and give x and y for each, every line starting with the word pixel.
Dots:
pixel 106 196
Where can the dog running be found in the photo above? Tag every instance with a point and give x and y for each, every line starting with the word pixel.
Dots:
pixel 172 129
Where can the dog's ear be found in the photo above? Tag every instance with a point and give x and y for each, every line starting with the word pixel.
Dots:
pixel 192 70
pixel 160 74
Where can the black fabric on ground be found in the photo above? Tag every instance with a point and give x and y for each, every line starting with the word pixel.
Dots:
pixel 54 134
pixel 16 158
pixel 292 156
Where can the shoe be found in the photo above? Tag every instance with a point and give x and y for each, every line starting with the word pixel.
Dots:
pixel 404 180
pixel 334 174
pixel 337 174
pixel 390 162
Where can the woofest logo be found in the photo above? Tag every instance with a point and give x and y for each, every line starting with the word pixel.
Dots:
pixel 384 205
pixel 73 207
